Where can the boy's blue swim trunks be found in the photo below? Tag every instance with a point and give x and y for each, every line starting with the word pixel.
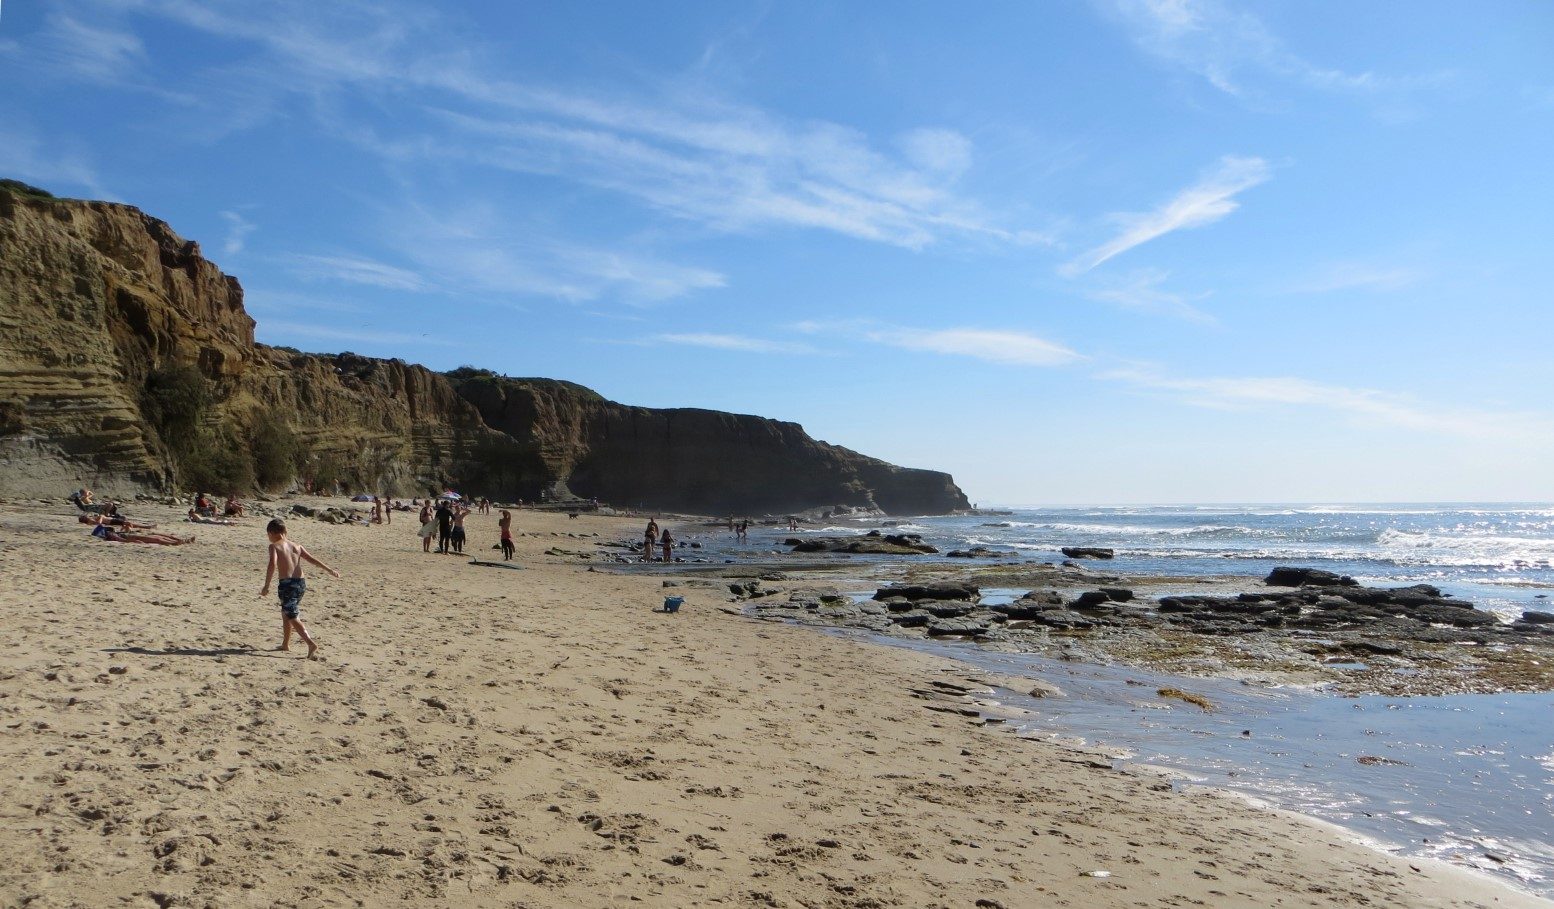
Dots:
pixel 290 591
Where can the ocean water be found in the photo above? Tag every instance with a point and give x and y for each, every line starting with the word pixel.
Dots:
pixel 1501 557
pixel 1473 778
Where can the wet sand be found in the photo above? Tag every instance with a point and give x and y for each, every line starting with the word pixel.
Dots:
pixel 477 736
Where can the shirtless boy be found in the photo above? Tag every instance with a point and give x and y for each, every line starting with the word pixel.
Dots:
pixel 286 558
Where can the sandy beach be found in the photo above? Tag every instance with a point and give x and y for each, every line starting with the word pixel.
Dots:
pixel 475 736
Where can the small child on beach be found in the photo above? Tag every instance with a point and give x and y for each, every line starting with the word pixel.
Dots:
pixel 286 558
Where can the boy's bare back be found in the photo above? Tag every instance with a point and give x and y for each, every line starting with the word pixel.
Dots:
pixel 288 558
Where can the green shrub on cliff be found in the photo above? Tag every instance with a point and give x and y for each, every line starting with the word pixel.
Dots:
pixel 175 401
pixel 277 452
pixel 24 189
pixel 217 464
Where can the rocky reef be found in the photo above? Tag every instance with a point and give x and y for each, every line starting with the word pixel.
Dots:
pixel 128 363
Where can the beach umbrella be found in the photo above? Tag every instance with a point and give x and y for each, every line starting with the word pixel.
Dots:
pixel 451 495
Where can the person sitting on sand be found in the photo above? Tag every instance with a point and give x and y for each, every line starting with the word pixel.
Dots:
pixel 103 532
pixel 233 508
pixel 506 523
pixel 114 520
pixel 286 559
pixel 197 518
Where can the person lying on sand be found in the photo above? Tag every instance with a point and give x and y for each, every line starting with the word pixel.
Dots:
pixel 103 532
pixel 286 558
pixel 114 520
pixel 197 518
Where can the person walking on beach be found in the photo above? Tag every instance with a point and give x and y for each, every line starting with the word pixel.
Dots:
pixel 286 559
pixel 668 542
pixel 649 537
pixel 428 526
pixel 506 523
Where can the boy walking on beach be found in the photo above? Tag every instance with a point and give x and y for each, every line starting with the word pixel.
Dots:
pixel 286 558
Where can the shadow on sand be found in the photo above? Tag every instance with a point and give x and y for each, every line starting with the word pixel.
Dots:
pixel 200 652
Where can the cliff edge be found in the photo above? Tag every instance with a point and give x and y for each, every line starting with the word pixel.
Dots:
pixel 128 363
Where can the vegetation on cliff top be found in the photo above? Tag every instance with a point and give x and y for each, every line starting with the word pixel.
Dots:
pixel 19 188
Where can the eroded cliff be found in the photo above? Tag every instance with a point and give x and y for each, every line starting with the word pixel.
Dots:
pixel 127 362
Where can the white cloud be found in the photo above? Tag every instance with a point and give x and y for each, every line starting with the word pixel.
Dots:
pixel 726 166
pixel 1359 276
pixel 238 229
pixel 1013 348
pixel 1231 48
pixel 24 157
pixel 734 343
pixel 294 330
pixel 1203 203
pixel 1142 291
pixel 95 52
pixel 1364 405
pixel 942 151
pixel 357 270
pixel 474 248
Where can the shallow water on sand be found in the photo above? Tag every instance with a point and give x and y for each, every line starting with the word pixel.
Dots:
pixel 1464 778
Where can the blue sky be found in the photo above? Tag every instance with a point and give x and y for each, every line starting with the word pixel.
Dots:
pixel 1115 252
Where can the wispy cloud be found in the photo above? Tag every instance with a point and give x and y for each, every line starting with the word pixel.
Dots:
pixel 23 157
pixel 744 343
pixel 1359 276
pixel 1365 405
pixel 1009 347
pixel 96 52
pixel 238 229
pixel 475 248
pixel 274 328
pixel 356 270
pixel 1230 48
pixel 1142 291
pixel 1203 203
pixel 1013 348
pixel 723 165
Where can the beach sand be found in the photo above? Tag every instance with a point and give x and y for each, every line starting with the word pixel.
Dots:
pixel 544 738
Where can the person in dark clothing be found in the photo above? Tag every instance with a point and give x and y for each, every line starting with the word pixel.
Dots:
pixel 444 526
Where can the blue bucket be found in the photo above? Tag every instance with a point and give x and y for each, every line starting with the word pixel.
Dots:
pixel 672 604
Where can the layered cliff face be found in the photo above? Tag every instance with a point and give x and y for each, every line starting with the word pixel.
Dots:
pixel 703 461
pixel 110 322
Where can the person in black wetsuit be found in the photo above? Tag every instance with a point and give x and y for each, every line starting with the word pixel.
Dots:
pixel 444 526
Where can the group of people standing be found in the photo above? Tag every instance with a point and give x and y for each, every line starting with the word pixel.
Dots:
pixel 652 535
pixel 445 519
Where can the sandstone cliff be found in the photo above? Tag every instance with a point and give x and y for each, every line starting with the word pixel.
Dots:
pixel 127 363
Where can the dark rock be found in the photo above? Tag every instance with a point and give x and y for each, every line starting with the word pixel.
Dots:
pixel 1088 552
pixel 1118 594
pixel 943 590
pixel 1538 618
pixel 1030 605
pixel 917 618
pixel 1439 614
pixel 1091 599
pixel 956 627
pixel 1301 577
pixel 942 609
pixel 980 552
